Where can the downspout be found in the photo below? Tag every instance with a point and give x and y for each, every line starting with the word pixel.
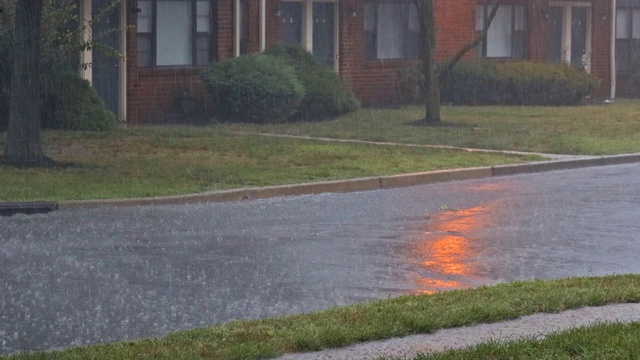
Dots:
pixel 614 13
pixel 263 24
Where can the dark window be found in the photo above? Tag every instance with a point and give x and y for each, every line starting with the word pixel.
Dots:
pixel 392 30
pixel 627 34
pixel 175 32
pixel 506 35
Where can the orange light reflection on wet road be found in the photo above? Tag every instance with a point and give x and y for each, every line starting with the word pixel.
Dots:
pixel 446 248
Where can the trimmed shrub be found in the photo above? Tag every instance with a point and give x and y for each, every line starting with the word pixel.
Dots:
pixel 510 83
pixel 254 88
pixel 530 83
pixel 326 95
pixel 474 83
pixel 294 54
pixel 75 105
pixel 411 84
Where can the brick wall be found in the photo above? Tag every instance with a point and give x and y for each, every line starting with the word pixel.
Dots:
pixel 152 91
pixel 376 81
pixel 538 35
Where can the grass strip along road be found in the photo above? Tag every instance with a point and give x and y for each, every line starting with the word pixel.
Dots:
pixel 174 160
pixel 405 315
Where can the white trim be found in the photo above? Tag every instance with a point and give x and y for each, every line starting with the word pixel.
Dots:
pixel 569 3
pixel 614 8
pixel 307 24
pixel 236 35
pixel 263 25
pixel 122 64
pixel 86 55
pixel 336 36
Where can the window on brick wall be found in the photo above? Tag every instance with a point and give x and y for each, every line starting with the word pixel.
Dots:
pixel 506 35
pixel 392 30
pixel 627 34
pixel 175 32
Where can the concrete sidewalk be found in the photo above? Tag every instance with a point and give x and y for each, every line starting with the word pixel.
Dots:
pixel 537 325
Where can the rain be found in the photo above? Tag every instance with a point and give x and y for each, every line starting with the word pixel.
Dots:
pixel 78 267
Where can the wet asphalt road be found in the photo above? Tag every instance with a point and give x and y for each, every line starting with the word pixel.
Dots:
pixel 75 277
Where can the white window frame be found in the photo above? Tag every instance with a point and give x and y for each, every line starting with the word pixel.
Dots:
pixel 631 31
pixel 193 37
pixel 377 33
pixel 482 12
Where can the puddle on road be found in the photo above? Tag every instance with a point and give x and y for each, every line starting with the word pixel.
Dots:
pixel 446 251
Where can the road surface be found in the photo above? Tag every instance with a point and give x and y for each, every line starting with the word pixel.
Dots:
pixel 75 277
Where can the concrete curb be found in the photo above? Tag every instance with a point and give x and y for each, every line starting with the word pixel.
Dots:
pixel 12 208
pixel 363 184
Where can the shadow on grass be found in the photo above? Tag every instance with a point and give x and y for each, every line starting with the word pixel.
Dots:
pixel 439 124
pixel 44 163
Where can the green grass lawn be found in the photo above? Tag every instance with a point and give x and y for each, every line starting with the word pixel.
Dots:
pixel 591 130
pixel 153 161
pixel 602 341
pixel 172 160
pixel 411 314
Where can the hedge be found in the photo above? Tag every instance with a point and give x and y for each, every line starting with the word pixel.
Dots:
pixel 254 88
pixel 509 83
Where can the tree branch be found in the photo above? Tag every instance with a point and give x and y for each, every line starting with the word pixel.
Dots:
pixel 483 35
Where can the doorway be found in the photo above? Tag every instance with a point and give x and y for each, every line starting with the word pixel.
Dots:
pixel 312 24
pixel 106 65
pixel 570 34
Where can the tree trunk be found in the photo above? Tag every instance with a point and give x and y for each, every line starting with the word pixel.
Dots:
pixel 23 145
pixel 426 19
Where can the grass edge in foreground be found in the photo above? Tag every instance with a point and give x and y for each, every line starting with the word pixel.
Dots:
pixel 598 341
pixel 382 319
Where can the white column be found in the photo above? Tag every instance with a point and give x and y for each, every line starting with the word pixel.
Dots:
pixel 122 63
pixel 566 34
pixel 86 55
pixel 588 47
pixel 336 36
pixel 612 60
pixel 263 25
pixel 236 37
pixel 307 25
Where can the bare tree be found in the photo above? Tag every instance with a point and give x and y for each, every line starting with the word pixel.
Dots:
pixel 23 146
pixel 433 77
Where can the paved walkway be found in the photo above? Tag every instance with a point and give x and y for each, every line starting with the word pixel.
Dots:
pixel 538 325
pixel 508 152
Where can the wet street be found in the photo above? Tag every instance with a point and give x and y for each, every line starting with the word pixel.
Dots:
pixel 75 277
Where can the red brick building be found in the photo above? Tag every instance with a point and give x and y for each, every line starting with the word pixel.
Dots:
pixel 167 42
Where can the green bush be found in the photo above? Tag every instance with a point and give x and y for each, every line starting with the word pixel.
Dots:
pixel 531 83
pixel 294 54
pixel 510 83
pixel 411 84
pixel 75 105
pixel 474 83
pixel 255 88
pixel 67 101
pixel 326 95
